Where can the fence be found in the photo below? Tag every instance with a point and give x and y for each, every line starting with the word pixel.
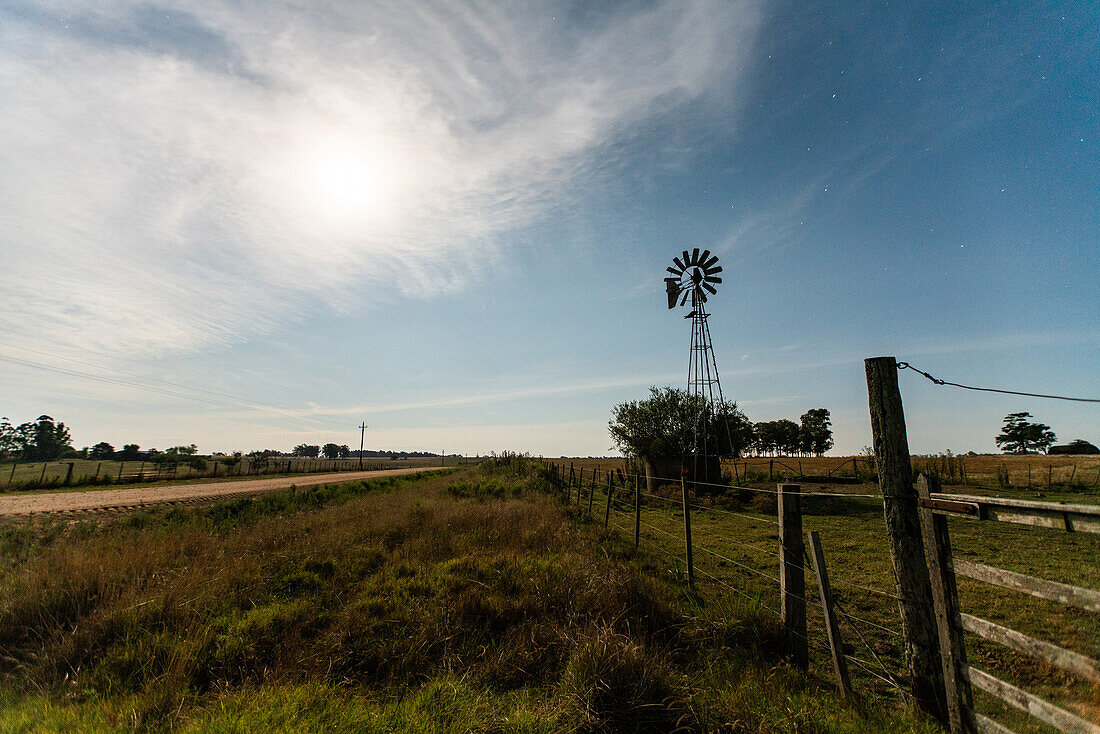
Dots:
pixel 83 472
pixel 908 640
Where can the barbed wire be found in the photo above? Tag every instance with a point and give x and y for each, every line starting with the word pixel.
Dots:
pixel 936 380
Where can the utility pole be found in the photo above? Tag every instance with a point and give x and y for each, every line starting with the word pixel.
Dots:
pixel 362 433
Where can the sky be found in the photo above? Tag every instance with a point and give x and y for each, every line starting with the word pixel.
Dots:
pixel 251 225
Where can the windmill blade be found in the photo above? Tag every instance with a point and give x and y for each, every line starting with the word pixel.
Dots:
pixel 687 260
pixel 674 271
pixel 713 271
pixel 679 264
pixel 672 288
pixel 709 287
pixel 702 296
pixel 708 264
pixel 685 298
pixel 712 279
pixel 695 256
pixel 703 258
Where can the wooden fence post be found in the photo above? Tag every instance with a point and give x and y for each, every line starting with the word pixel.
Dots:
pixel 591 496
pixel 637 512
pixel 792 573
pixel 98 468
pixel 937 548
pixel 899 502
pixel 832 629
pixel 42 477
pixel 69 474
pixel 11 477
pixel 607 511
pixel 687 533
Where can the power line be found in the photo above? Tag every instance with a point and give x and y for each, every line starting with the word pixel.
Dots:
pixel 936 380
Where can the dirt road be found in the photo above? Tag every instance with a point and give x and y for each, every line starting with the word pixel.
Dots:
pixel 114 499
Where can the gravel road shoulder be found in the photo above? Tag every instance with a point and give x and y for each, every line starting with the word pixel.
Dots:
pixel 101 499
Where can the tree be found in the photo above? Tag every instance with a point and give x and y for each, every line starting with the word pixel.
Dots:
pixel 663 426
pixel 816 434
pixel 102 450
pixel 1021 436
pixel 42 440
pixel 9 439
pixel 306 450
pixel 331 451
pixel 130 452
pixel 258 461
pixel 343 451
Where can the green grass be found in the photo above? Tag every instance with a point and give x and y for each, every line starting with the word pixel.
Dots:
pixel 469 602
pixel 853 537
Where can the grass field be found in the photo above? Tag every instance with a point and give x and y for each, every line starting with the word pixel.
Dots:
pixel 736 546
pixel 1032 472
pixel 471 602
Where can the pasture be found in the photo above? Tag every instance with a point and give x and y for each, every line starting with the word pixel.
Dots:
pixel 468 602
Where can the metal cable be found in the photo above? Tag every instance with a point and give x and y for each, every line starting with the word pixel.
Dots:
pixel 864 665
pixel 735 514
pixel 866 621
pixel 936 380
pixel 736 563
pixel 734 589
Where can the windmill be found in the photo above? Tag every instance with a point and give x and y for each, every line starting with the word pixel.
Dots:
pixel 691 278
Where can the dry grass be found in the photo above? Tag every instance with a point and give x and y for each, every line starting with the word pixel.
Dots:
pixel 466 603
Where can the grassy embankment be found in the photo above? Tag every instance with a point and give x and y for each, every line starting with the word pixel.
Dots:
pixel 464 603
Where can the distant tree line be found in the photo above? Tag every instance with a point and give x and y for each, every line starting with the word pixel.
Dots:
pixel 39 440
pixel 669 422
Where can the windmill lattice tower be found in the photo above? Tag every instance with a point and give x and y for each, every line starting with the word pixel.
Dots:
pixel 692 277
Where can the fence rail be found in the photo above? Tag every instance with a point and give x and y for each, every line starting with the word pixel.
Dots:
pixel 864 635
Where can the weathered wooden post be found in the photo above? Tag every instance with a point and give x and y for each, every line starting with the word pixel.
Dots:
pixel 607 511
pixel 899 502
pixel 937 547
pixel 69 474
pixel 792 573
pixel 11 476
pixel 687 533
pixel 42 476
pixel 98 468
pixel 637 512
pixel 591 496
pixel 832 629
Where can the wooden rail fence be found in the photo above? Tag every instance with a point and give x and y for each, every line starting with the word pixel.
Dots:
pixel 915 511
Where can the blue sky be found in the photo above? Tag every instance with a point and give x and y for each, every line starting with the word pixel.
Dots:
pixel 452 220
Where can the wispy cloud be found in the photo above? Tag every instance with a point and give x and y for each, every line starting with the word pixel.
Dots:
pixel 162 164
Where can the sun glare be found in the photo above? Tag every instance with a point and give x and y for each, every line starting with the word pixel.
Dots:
pixel 350 181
